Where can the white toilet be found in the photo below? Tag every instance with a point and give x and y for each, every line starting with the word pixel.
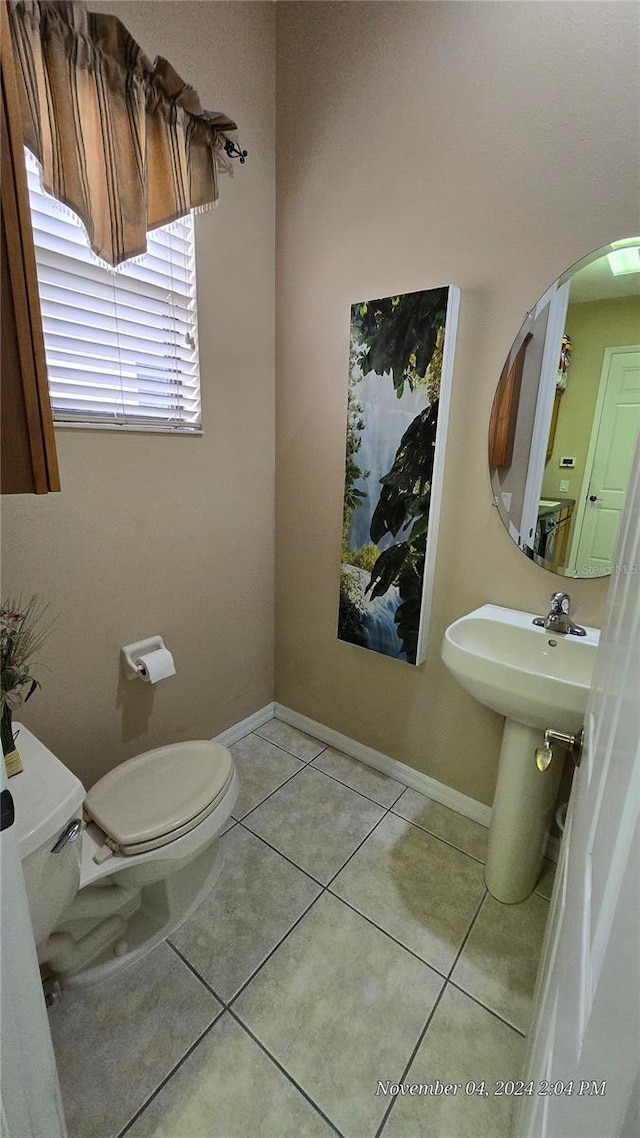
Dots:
pixel 111 874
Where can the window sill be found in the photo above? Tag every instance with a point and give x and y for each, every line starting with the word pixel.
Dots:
pixel 139 428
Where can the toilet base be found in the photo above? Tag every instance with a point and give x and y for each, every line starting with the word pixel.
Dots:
pixel 146 917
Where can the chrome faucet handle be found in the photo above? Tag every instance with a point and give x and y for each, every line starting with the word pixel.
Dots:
pixel 558 619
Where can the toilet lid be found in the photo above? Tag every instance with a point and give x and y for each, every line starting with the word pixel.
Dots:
pixel 146 798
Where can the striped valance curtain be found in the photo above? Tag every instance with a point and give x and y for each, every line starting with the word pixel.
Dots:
pixel 122 141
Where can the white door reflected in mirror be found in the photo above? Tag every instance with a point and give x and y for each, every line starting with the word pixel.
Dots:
pixel 566 416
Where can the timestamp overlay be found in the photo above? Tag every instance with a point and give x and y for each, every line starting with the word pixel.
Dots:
pixel 509 1088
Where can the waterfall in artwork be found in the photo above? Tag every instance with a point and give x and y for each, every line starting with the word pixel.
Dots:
pixel 377 626
pixel 380 627
pixel 387 418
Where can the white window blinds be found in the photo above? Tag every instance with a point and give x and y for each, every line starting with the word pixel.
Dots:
pixel 121 344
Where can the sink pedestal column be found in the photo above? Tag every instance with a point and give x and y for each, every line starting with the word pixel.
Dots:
pixel 522 814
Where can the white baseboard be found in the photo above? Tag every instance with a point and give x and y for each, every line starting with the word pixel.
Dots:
pixel 246 726
pixel 409 776
pixel 430 787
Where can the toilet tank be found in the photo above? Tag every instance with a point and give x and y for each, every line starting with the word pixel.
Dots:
pixel 47 797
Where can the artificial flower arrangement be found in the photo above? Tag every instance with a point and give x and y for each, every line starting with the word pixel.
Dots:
pixel 21 634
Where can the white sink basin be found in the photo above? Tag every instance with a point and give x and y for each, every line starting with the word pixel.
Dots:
pixel 537 680
pixel 523 672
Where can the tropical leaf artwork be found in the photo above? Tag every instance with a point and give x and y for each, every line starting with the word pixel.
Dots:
pixel 395 370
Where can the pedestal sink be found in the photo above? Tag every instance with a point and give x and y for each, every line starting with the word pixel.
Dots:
pixel 537 680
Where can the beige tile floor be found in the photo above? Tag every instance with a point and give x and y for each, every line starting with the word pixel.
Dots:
pixel 350 940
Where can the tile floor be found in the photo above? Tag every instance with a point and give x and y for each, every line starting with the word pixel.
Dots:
pixel 349 940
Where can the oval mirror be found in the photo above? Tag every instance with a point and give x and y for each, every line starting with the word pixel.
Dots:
pixel 566 415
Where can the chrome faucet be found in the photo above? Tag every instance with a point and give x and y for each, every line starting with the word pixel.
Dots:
pixel 558 619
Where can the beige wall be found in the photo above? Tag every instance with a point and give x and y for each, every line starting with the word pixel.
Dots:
pixel 485 145
pixel 173 535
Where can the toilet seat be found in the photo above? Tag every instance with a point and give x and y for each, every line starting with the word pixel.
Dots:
pixel 156 797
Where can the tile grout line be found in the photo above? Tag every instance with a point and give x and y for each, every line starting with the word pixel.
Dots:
pixel 271 792
pixel 381 806
pixel 327 888
pixel 405 787
pixel 323 889
pixel 431 833
pixel 225 1004
pixel 412 1056
pixel 275 948
pixel 225 1008
pixel 358 847
pixel 242 822
pixel 228 746
pixel 280 854
pixel 354 789
pixel 468 933
pixel 537 894
pixel 362 793
pixel 388 809
pixel 197 974
pixel 447 983
pixel 370 921
pixel 147 1102
pixel 317 770
pixel 433 1010
pixel 327 747
pixel 486 1008
pixel 266 739
pixel 283 1070
pixel 459 987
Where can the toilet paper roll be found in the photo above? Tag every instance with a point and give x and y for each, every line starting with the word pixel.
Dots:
pixel 156 665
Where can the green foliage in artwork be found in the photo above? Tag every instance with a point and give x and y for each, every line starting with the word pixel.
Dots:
pixel 352 472
pixel 399 334
pixel 350 611
pixel 403 509
pixel 365 557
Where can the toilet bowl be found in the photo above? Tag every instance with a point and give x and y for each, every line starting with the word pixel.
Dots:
pixel 111 873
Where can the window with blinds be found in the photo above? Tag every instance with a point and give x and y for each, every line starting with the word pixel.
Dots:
pixel 121 344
